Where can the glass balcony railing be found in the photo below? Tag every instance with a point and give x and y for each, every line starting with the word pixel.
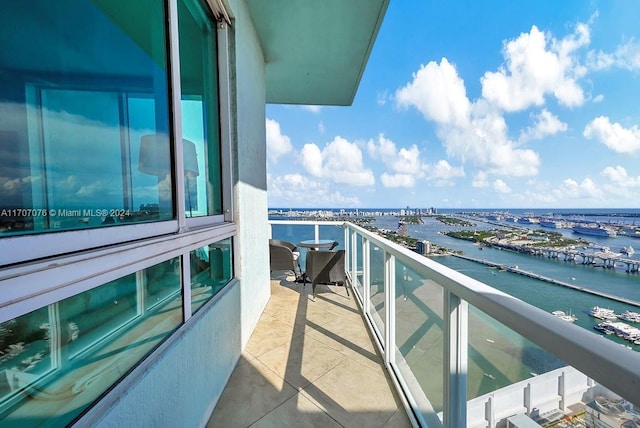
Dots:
pixel 462 353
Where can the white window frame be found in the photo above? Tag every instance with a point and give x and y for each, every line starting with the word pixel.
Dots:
pixel 66 263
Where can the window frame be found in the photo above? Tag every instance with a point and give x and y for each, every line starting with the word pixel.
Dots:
pixel 23 248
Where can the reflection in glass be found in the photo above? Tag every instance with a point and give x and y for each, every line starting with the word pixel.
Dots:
pixel 73 112
pixel 211 270
pixel 200 123
pixel 56 361
pixel 498 356
pixel 419 332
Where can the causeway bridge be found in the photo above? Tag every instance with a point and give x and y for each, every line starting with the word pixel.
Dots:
pixel 605 259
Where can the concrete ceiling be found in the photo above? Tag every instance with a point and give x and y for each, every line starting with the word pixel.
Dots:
pixel 315 50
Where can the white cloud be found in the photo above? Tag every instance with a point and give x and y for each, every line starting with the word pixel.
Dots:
pixel 537 65
pixel 339 161
pixel 278 144
pixel 480 180
pixel 438 93
pixel 544 124
pixel 485 143
pixel 619 183
pixel 406 161
pixel 501 187
pixel 571 189
pixel 312 159
pixel 442 173
pixel 613 135
pixel 475 133
pixel 626 56
pixel 382 97
pixel 618 177
pixel 397 180
pixel 321 128
pixel 313 109
pixel 598 98
pixel 306 192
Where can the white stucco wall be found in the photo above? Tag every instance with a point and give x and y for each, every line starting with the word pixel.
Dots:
pixel 182 386
pixel 250 163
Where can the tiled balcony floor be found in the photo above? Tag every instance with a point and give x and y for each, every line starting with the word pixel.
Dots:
pixel 309 364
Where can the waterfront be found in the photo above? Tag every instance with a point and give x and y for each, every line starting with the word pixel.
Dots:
pixel 542 294
pixel 498 356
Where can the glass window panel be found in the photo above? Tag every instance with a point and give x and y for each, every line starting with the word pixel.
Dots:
pixel 56 361
pixel 200 123
pixel 84 118
pixel 211 270
pixel 25 354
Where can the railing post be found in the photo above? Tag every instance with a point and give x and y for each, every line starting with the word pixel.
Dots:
pixel 455 358
pixel 316 230
pixel 390 308
pixel 366 275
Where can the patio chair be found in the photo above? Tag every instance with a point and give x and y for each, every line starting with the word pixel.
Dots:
pixel 325 267
pixel 284 256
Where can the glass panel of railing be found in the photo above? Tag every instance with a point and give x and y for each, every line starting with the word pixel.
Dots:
pixel 377 287
pixel 510 375
pixel 501 365
pixel 334 232
pixel 294 233
pixel 419 335
pixel 359 283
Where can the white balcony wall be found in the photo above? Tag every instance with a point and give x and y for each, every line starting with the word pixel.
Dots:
pixel 250 166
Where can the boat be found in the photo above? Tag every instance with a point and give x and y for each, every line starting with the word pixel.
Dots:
pixel 564 316
pixel 627 250
pixel 595 230
pixel 490 376
pixel 630 316
pixel 552 224
pixel 528 220
pixel 602 313
pixel 609 406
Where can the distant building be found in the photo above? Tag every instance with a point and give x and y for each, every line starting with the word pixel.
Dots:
pixel 423 247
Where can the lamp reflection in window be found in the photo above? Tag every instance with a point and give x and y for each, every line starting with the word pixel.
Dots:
pixel 155 160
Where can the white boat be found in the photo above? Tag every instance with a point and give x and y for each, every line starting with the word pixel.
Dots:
pixel 630 316
pixel 564 316
pixel 627 250
pixel 602 313
pixel 596 230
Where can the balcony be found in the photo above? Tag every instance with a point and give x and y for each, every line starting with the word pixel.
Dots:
pixel 309 363
pixel 458 352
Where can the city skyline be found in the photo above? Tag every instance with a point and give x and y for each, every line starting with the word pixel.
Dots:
pixel 462 108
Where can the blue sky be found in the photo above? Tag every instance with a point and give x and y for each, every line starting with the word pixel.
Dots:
pixel 496 104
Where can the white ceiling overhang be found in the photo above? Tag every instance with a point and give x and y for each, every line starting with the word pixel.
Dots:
pixel 315 50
